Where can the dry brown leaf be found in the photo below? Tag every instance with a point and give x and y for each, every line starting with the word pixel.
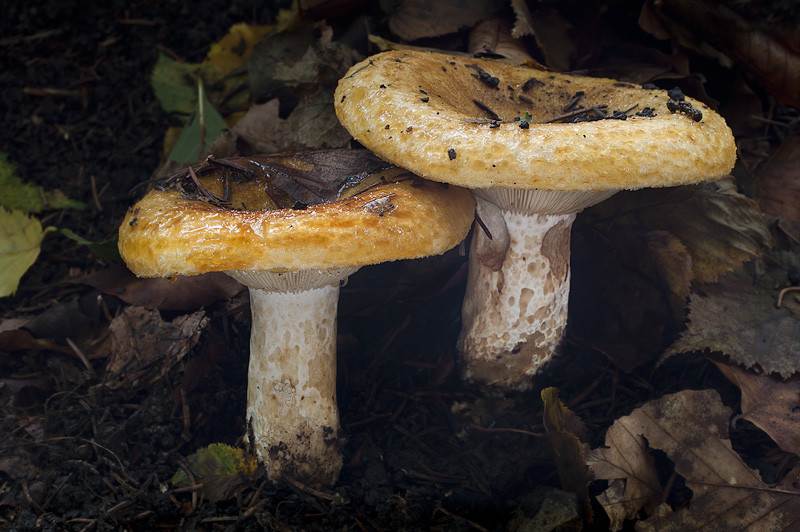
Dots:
pixel 493 37
pixel 691 427
pixel 720 227
pixel 313 123
pixel 630 470
pixel 145 347
pixel 260 130
pixel 769 403
pixel 185 293
pixel 738 317
pixel 415 19
pixel 564 430
pixel 674 266
pixel 770 53
pixel 552 32
pixel 524 22
pixel 778 181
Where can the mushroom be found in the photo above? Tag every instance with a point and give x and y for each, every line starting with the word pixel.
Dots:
pixel 224 216
pixel 536 147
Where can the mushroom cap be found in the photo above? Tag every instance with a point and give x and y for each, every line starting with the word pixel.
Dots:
pixel 430 113
pixel 165 234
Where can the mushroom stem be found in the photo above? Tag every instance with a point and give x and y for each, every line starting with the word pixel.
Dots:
pixel 515 307
pixel 292 416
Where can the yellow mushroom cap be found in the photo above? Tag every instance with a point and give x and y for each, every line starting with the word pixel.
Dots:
pixel 432 114
pixel 166 234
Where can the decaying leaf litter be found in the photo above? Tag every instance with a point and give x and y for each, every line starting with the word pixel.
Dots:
pixel 97 420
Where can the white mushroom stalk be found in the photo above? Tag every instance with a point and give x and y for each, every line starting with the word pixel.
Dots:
pixel 292 260
pixel 496 128
pixel 292 414
pixel 515 307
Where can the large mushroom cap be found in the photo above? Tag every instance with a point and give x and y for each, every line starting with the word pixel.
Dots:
pixel 434 114
pixel 398 216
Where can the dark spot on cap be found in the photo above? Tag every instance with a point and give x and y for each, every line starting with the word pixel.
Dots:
pixel 676 94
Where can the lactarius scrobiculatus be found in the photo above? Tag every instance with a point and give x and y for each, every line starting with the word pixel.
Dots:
pixel 292 227
pixel 536 147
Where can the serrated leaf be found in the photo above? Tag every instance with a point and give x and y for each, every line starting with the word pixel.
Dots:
pixel 206 122
pixel 218 467
pixel 738 317
pixel 16 195
pixel 20 240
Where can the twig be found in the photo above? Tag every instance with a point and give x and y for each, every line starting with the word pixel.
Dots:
pixel 478 428
pixel 316 493
pixel 82 357
pixel 473 524
pixel 786 291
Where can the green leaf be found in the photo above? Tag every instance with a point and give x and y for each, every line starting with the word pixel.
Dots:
pixel 174 85
pixel 218 467
pixel 206 123
pixel 14 194
pixel 20 240
pixel 107 249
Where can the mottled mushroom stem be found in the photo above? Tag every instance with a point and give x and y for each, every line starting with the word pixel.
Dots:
pixel 515 308
pixel 292 417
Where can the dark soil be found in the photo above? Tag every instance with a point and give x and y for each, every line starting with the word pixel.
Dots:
pixel 423 452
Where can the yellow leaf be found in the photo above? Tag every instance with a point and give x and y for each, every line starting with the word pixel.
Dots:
pixel 20 238
pixel 232 51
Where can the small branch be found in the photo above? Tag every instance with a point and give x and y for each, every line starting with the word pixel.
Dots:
pixel 786 291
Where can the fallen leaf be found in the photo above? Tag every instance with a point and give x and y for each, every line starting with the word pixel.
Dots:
pixel 720 227
pixel 106 250
pixel 205 127
pixel 523 24
pixel 691 427
pixel 20 240
pixel 313 123
pixel 554 37
pixel 738 317
pixel 260 130
pixel 219 467
pixel 630 469
pixel 777 182
pixel 768 402
pixel 415 19
pixel 185 293
pixel 145 347
pixel 293 64
pixel 25 392
pixel 493 38
pixel 675 268
pixel 234 49
pixel 21 340
pixel 767 49
pixel 17 195
pixel 564 430
pixel 174 85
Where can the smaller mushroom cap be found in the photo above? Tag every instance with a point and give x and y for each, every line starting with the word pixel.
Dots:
pixel 397 216
pixel 456 119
